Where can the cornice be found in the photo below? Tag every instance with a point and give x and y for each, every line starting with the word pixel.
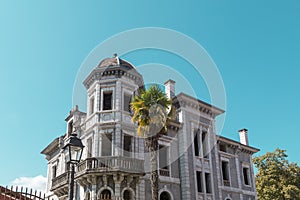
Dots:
pixel 237 145
pixel 186 101
pixel 116 72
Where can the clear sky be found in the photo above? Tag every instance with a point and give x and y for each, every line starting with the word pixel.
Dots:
pixel 255 45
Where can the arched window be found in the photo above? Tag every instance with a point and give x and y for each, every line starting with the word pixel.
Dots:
pixel 105 195
pixel 127 195
pixel 165 196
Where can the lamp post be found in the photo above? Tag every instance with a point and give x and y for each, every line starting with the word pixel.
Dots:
pixel 73 151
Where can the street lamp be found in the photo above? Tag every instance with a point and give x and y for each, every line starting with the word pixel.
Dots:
pixel 73 151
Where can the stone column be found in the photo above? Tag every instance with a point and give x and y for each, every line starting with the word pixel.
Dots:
pixel 92 180
pixel 118 179
pixel 118 95
pixel 237 152
pixel 97 97
pixel 95 142
pixel 141 189
pixel 117 140
pixel 183 142
pixel 94 192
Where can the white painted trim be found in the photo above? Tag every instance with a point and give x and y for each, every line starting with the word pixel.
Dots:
pixel 247 166
pixel 228 170
pixel 108 89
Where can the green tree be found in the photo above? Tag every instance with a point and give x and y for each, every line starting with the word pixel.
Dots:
pixel 151 110
pixel 277 179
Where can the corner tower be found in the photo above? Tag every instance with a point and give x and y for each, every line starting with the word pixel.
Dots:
pixel 113 160
pixel 112 164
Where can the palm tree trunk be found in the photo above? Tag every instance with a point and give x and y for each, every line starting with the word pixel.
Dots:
pixel 152 144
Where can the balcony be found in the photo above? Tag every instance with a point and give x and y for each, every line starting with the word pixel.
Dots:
pixel 164 172
pixel 226 183
pixel 60 181
pixel 107 116
pixel 110 164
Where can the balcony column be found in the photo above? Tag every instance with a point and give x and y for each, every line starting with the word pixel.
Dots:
pixel 118 179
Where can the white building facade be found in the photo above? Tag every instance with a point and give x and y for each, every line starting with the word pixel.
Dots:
pixel 193 162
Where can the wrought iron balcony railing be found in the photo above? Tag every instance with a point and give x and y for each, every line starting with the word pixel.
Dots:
pixel 164 172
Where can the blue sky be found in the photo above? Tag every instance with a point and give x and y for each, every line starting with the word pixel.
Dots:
pixel 255 45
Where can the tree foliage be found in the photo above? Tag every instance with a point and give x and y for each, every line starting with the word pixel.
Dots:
pixel 152 111
pixel 277 179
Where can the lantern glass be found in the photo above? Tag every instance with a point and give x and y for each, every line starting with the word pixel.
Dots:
pixel 75 153
pixel 73 150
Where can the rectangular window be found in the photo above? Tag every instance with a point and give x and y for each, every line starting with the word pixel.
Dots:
pixel 246 175
pixel 106 145
pixel 127 146
pixel 199 181
pixel 222 147
pixel 90 147
pixel 127 101
pixel 196 144
pixel 163 157
pixel 70 127
pixel 207 183
pixel 225 173
pixel 92 102
pixel 204 144
pixel 225 170
pixel 107 100
pixel 54 171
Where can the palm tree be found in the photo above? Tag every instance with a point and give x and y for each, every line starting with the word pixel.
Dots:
pixel 152 111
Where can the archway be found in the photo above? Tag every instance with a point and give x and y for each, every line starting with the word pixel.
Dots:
pixel 164 196
pixel 105 195
pixel 127 195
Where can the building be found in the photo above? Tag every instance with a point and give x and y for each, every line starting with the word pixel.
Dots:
pixel 194 162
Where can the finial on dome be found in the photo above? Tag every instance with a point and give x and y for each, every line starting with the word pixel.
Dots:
pixel 117 58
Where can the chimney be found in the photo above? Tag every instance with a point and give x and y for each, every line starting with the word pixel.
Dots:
pixel 244 136
pixel 170 88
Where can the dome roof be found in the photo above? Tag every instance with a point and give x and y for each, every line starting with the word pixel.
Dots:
pixel 114 67
pixel 115 61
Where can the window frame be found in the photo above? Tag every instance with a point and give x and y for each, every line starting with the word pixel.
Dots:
pixel 247 168
pixel 130 95
pixel 91 105
pixel 199 175
pixel 227 161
